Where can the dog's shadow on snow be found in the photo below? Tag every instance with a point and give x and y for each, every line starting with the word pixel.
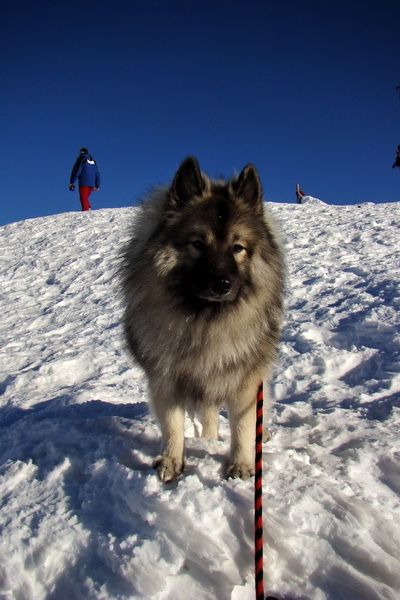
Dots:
pixel 59 429
pixel 63 407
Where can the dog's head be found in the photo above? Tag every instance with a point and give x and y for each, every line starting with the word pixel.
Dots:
pixel 213 231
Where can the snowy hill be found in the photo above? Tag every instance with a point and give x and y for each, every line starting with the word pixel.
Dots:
pixel 311 200
pixel 83 516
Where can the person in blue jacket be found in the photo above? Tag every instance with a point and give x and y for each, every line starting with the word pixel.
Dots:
pixel 86 171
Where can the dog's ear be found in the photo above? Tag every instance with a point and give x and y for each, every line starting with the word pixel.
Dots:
pixel 248 187
pixel 188 182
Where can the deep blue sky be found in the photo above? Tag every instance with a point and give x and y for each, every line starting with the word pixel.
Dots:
pixel 304 90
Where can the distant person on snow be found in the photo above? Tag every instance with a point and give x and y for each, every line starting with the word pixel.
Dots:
pixel 397 161
pixel 299 194
pixel 86 171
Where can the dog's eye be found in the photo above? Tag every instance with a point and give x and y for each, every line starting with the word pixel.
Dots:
pixel 238 248
pixel 198 244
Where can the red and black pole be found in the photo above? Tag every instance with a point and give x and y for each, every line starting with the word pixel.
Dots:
pixel 258 520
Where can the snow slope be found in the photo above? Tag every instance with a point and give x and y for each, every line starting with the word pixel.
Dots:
pixel 83 516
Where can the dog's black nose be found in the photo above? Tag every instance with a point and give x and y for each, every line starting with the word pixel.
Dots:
pixel 220 286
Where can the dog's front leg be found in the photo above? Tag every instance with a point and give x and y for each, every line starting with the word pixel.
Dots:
pixel 171 419
pixel 242 421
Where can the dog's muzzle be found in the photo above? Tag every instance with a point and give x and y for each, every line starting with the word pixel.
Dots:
pixel 220 287
pixel 216 289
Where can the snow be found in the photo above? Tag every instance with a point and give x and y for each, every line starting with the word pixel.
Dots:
pixel 310 200
pixel 83 515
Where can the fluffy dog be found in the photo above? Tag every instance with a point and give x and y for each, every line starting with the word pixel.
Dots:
pixel 203 281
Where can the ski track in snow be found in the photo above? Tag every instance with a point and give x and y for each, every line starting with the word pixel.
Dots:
pixel 83 515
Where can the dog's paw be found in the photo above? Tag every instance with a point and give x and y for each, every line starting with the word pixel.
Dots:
pixel 240 471
pixel 168 468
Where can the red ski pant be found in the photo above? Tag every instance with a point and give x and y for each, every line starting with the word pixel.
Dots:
pixel 84 193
